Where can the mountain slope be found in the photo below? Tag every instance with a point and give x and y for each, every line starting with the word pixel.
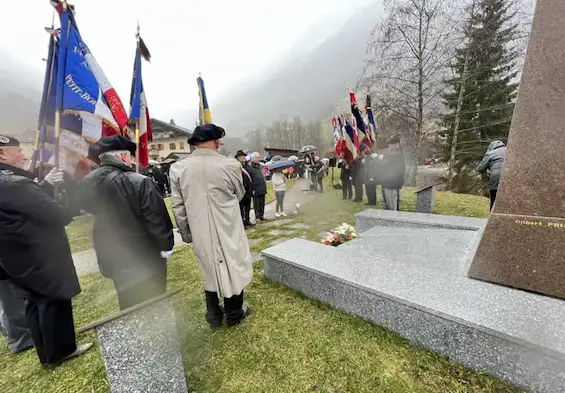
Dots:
pixel 20 94
pixel 308 85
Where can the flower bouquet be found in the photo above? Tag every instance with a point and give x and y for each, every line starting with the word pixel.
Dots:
pixel 340 235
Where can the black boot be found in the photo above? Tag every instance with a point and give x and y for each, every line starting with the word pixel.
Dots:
pixel 214 313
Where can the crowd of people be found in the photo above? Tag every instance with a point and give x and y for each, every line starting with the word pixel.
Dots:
pixel 133 233
pixel 372 168
pixel 133 238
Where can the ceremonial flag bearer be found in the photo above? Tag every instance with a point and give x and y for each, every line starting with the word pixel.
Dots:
pixel 35 255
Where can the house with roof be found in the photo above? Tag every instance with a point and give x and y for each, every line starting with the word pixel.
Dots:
pixel 169 140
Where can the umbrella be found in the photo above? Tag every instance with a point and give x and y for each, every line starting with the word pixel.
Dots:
pixel 293 158
pixel 308 148
pixel 281 164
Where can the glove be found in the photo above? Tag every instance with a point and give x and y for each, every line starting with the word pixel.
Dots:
pixel 56 176
pixel 166 254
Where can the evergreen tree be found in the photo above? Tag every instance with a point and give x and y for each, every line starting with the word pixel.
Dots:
pixel 481 95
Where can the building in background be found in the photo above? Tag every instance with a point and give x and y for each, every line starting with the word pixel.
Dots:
pixel 168 139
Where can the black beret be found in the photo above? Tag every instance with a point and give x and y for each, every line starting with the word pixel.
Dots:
pixel 240 153
pixel 6 141
pixel 111 143
pixel 205 133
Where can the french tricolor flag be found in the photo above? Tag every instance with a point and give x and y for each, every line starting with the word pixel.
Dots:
pixel 83 90
pixel 139 112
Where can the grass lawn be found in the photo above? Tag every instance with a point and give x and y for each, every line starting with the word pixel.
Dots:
pixel 291 344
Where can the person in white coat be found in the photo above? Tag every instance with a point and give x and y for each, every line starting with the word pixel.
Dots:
pixel 206 189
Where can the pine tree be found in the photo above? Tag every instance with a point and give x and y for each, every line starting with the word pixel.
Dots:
pixel 481 95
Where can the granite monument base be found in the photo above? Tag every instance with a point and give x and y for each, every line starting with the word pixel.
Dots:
pixel 410 275
pixel 140 348
pixel 537 267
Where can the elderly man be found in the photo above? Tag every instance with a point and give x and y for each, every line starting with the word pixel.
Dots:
pixel 393 173
pixel 259 186
pixel 206 190
pixel 35 255
pixel 245 203
pixel 133 233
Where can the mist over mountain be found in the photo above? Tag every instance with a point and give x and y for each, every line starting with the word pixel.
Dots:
pixel 308 81
pixel 20 95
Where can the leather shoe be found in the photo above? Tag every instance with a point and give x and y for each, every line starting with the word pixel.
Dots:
pixel 246 312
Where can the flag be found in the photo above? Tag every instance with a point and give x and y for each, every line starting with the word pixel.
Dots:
pixel 360 124
pixel 82 87
pixel 139 111
pixel 371 120
pixel 338 137
pixel 204 109
pixel 351 142
pixel 48 85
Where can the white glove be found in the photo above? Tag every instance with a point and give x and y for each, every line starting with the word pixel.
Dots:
pixel 166 254
pixel 56 176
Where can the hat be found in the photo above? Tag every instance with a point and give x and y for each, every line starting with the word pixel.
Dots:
pixel 206 133
pixel 6 141
pixel 395 140
pixel 240 153
pixel 111 143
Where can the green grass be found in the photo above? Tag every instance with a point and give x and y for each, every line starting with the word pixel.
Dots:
pixel 291 343
pixel 79 233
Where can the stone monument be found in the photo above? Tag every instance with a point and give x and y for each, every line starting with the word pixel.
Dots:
pixel 425 200
pixel 140 348
pixel 523 245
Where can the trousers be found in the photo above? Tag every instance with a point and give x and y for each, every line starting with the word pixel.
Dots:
pixel 259 206
pixel 233 307
pixel 13 318
pixel 52 328
pixel 280 201
pixel 358 192
pixel 347 188
pixel 245 207
pixel 391 198
pixel 492 198
pixel 141 291
pixel 371 190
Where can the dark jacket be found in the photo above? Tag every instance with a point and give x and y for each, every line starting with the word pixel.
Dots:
pixel 372 169
pixel 132 225
pixel 358 172
pixel 493 160
pixel 258 182
pixel 34 249
pixel 393 170
pixel 345 171
pixel 247 185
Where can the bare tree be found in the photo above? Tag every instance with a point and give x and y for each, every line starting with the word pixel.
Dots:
pixel 408 52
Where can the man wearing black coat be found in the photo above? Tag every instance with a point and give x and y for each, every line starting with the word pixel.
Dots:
pixel 358 174
pixel 372 174
pixel 393 173
pixel 259 186
pixel 35 255
pixel 345 176
pixel 133 233
pixel 245 203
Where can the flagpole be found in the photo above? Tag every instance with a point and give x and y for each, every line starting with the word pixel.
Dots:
pixel 58 124
pixel 137 150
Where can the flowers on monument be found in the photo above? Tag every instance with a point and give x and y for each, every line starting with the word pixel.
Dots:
pixel 340 235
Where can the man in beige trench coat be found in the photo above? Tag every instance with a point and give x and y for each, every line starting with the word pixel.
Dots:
pixel 206 189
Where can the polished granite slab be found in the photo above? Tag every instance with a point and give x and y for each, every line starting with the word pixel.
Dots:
pixel 413 281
